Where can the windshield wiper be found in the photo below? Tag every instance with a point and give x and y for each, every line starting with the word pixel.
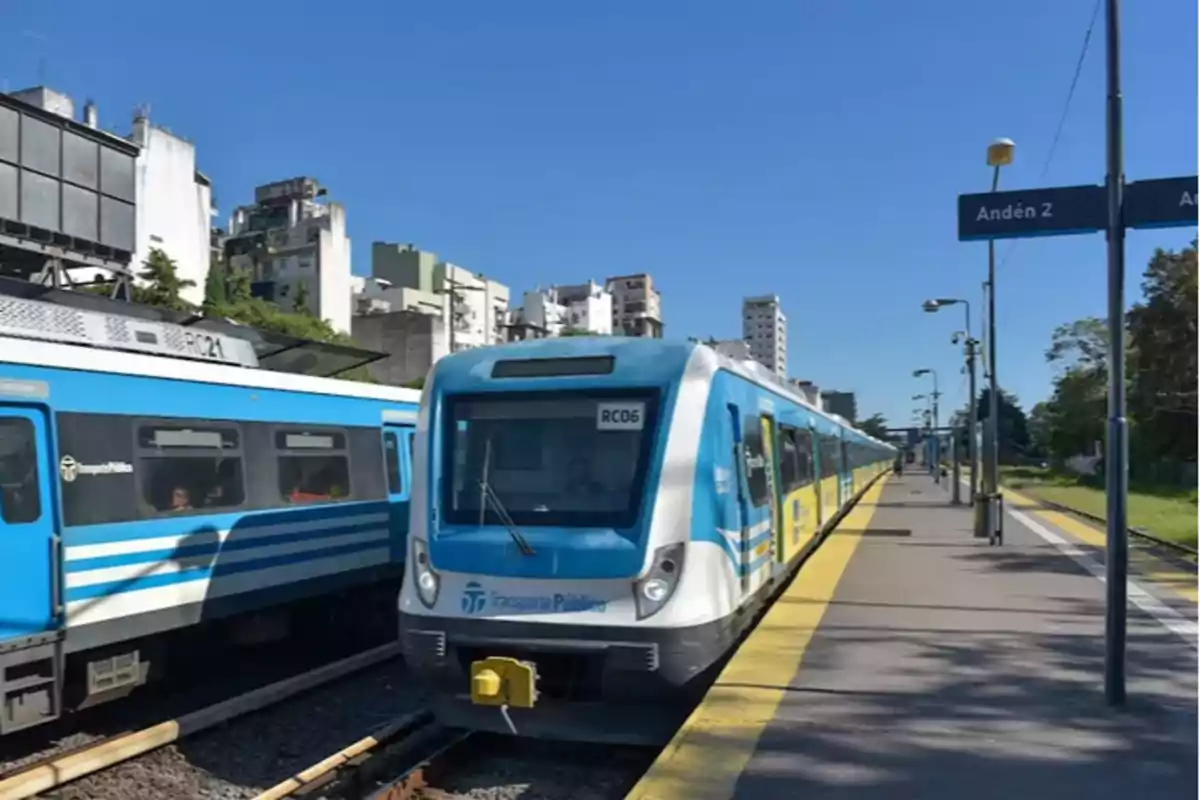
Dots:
pixel 489 495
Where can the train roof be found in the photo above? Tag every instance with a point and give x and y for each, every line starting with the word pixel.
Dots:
pixel 35 311
pixel 637 359
pixel 77 331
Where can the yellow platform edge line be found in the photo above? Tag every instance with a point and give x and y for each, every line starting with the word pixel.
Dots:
pixel 1144 565
pixel 707 756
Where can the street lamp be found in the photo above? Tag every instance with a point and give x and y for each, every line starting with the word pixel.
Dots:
pixel 931 307
pixel 937 455
pixel 999 154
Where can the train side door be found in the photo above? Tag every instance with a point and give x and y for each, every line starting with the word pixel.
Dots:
pixel 398 466
pixel 29 547
pixel 742 513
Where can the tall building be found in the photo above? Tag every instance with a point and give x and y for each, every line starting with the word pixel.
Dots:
pixel 585 307
pixel 295 246
pixel 764 327
pixel 637 306
pixel 844 404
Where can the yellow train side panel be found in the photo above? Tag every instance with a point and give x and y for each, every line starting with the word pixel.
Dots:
pixel 800 522
pixel 829 498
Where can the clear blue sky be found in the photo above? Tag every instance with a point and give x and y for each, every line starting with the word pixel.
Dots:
pixel 811 149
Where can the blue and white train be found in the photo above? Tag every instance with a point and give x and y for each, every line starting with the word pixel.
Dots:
pixel 612 511
pixel 147 496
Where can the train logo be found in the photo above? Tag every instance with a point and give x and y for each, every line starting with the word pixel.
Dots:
pixel 69 468
pixel 473 598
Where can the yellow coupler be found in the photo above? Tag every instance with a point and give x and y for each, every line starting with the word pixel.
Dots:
pixel 500 681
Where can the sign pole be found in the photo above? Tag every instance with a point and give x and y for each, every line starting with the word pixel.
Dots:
pixel 1116 469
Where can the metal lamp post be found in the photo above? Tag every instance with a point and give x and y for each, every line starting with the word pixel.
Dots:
pixel 931 307
pixel 999 154
pixel 927 421
pixel 937 456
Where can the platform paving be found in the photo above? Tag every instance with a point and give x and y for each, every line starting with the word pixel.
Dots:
pixel 945 668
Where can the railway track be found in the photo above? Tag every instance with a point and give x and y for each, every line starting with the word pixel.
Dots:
pixel 65 767
pixel 414 757
pixel 395 762
pixel 1176 548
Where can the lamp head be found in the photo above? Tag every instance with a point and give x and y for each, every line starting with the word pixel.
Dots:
pixel 919 372
pixel 931 306
pixel 1000 152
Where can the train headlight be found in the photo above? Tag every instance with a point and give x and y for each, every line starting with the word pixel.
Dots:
pixel 427 580
pixel 655 590
pixel 652 592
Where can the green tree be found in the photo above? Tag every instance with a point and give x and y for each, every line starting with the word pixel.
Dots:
pixel 416 383
pixel 874 425
pixel 237 285
pixel 1013 427
pixel 578 332
pixel 300 301
pixel 215 293
pixel 1163 359
pixel 1039 424
pixel 1073 418
pixel 163 286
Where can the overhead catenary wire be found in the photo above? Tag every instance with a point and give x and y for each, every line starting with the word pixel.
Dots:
pixel 1062 117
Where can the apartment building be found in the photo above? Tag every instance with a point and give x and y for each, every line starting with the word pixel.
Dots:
pixel 637 306
pixel 764 327
pixel 295 246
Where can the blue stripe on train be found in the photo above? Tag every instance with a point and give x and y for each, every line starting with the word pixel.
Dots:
pixel 735 553
pixel 198 549
pixel 239 520
pixel 215 571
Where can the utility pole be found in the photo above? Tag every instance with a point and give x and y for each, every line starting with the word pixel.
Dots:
pixel 1116 468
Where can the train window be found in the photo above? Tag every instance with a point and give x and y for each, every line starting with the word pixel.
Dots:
pixel 186 468
pixel 554 458
pixel 20 497
pixel 789 459
pixel 314 466
pixel 391 460
pixel 829 456
pixel 804 458
pixel 756 462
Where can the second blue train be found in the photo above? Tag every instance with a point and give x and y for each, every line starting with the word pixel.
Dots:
pixel 595 522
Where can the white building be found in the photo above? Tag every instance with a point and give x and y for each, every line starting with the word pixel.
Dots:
pixel 174 205
pixel 295 247
pixel 764 327
pixel 478 307
pixel 551 312
pixel 637 306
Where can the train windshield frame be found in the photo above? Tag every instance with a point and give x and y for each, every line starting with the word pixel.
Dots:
pixel 570 459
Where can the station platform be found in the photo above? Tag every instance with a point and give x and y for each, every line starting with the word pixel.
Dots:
pixel 909 659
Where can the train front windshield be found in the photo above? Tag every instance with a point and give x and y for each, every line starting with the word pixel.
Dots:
pixel 551 460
